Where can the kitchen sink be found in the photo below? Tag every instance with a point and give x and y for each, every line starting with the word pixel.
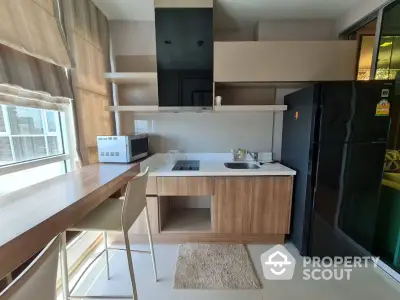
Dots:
pixel 241 165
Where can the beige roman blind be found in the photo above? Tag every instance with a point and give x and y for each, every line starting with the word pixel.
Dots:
pixel 29 81
pixel 33 55
pixel 32 27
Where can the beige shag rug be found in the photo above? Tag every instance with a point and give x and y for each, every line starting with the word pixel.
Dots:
pixel 214 266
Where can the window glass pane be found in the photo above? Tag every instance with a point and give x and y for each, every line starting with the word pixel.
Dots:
pixel 27 148
pixel 5 151
pixel 388 64
pixel 365 60
pixel 2 124
pixel 33 133
pixel 25 120
pixel 52 121
pixel 18 180
pixel 53 145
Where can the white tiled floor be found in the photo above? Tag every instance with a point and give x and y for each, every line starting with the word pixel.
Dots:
pixel 365 283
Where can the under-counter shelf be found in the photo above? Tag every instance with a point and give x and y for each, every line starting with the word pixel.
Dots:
pixel 187 220
pixel 131 77
pixel 184 214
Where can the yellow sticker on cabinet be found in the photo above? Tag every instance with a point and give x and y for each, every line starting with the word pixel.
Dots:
pixel 382 108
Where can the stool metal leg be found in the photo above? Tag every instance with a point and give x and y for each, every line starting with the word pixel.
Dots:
pixel 151 243
pixel 106 249
pixel 64 266
pixel 130 265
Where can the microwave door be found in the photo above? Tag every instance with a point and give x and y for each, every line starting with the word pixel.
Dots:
pixel 139 148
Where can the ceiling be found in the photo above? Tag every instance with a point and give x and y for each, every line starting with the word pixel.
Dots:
pixel 231 12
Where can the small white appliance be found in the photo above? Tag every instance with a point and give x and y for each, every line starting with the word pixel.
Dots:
pixel 122 148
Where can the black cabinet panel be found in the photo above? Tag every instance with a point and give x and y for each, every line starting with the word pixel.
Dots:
pixel 184 39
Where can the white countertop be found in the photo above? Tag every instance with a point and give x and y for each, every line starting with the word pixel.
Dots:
pixel 211 164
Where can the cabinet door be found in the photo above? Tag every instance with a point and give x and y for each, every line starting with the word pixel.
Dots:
pixel 284 61
pixel 252 205
pixel 268 208
pixel 231 196
pixel 140 227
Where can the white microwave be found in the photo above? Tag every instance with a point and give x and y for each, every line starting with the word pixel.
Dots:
pixel 122 148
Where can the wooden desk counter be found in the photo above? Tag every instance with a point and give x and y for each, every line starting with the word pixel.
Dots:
pixel 31 217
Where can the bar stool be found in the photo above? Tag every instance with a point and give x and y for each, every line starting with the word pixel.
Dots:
pixel 38 280
pixel 117 215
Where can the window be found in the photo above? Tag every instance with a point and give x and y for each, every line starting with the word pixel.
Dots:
pixel 29 133
pixel 365 59
pixel 33 146
pixel 388 64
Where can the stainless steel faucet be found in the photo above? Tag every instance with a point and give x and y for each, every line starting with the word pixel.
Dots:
pixel 254 155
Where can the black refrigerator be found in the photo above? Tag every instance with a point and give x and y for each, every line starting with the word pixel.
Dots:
pixel 334 136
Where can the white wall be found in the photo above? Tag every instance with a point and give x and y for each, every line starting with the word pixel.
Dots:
pixel 203 132
pixel 297 30
pixel 245 33
pixel 133 37
pixel 359 11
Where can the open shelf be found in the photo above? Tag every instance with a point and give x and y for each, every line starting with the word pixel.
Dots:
pixel 185 214
pixel 187 220
pixel 131 77
pixel 134 108
pixel 256 108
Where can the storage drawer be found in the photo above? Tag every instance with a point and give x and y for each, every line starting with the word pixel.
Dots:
pixel 185 186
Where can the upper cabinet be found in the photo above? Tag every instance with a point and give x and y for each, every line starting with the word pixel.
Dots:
pixel 284 61
pixel 184 43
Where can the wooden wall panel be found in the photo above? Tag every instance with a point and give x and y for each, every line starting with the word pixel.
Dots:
pixel 87 35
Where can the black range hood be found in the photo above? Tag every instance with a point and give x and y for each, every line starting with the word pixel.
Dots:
pixel 184 42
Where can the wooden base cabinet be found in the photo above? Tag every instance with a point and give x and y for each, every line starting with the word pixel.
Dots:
pixel 252 205
pixel 140 227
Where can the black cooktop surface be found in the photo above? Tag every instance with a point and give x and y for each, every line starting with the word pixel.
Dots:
pixel 187 165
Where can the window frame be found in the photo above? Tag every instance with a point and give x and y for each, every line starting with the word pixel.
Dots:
pixel 67 141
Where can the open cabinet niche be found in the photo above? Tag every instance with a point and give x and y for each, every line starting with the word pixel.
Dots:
pixel 135 78
pixel 180 214
pixel 237 93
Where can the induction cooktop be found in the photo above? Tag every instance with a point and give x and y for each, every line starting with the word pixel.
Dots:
pixel 187 165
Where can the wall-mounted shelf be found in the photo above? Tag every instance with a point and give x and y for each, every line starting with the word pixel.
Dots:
pixel 255 108
pixel 222 108
pixel 133 108
pixel 131 77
